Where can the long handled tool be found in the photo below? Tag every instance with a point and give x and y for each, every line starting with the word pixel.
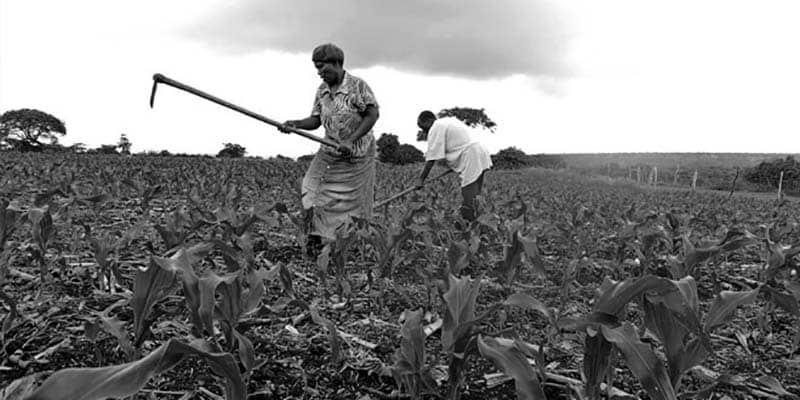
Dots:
pixel 158 78
pixel 407 191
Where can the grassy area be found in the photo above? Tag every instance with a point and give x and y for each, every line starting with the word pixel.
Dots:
pixel 671 160
pixel 715 171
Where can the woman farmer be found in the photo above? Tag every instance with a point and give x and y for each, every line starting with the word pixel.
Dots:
pixel 340 181
pixel 449 139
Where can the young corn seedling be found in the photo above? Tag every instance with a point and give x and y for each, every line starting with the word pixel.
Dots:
pixel 671 313
pixel 146 191
pixel 734 239
pixel 239 292
pixel 414 221
pixel 513 253
pixel 42 233
pixel 410 372
pixel 511 357
pixel 176 230
pixel 779 279
pixel 333 334
pixel 612 301
pixel 150 286
pixel 106 247
pixel 10 220
pixel 119 381
pixel 335 255
pixel 461 329
pixel 111 325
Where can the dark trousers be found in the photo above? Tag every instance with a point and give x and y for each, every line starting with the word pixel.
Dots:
pixel 469 205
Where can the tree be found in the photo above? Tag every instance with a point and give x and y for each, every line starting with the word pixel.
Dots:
pixel 232 150
pixel 391 151
pixel 306 158
pixel 281 158
pixel 124 144
pixel 388 146
pixel 408 154
pixel 473 117
pixel 768 174
pixel 77 147
pixel 25 129
pixel 510 158
pixel 108 149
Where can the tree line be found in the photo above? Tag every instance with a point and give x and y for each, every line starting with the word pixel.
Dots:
pixel 770 174
pixel 31 130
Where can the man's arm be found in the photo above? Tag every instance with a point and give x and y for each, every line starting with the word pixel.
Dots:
pixel 425 171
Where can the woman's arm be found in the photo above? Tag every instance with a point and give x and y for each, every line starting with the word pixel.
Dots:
pixel 369 117
pixel 309 123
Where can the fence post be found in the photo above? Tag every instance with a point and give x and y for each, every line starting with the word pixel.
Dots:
pixel 638 174
pixel 675 177
pixel 655 175
pixel 694 181
pixel 733 183
pixel 780 186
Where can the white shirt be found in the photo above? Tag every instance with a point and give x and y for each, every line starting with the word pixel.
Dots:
pixel 450 139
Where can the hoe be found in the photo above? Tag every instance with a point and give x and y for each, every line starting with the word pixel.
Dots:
pixel 407 191
pixel 158 78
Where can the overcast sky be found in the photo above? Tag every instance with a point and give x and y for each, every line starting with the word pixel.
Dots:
pixel 556 76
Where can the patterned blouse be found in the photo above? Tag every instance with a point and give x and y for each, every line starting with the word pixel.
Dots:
pixel 340 113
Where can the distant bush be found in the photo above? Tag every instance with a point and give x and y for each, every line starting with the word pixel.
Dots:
pixel 392 152
pixel 282 158
pixel 768 173
pixel 59 148
pixel 154 153
pixel 108 149
pixel 76 148
pixel 306 158
pixel 232 150
pixel 514 158
pixel 408 154
pixel 510 158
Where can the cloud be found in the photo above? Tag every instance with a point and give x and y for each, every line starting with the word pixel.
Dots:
pixel 465 38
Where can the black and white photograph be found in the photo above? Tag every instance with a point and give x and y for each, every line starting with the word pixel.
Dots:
pixel 405 200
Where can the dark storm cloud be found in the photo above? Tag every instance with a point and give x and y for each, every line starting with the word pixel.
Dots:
pixel 469 38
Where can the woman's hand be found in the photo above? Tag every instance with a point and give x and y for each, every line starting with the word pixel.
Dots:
pixel 345 148
pixel 288 124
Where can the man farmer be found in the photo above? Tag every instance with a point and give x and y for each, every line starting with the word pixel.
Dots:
pixel 340 181
pixel 449 139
